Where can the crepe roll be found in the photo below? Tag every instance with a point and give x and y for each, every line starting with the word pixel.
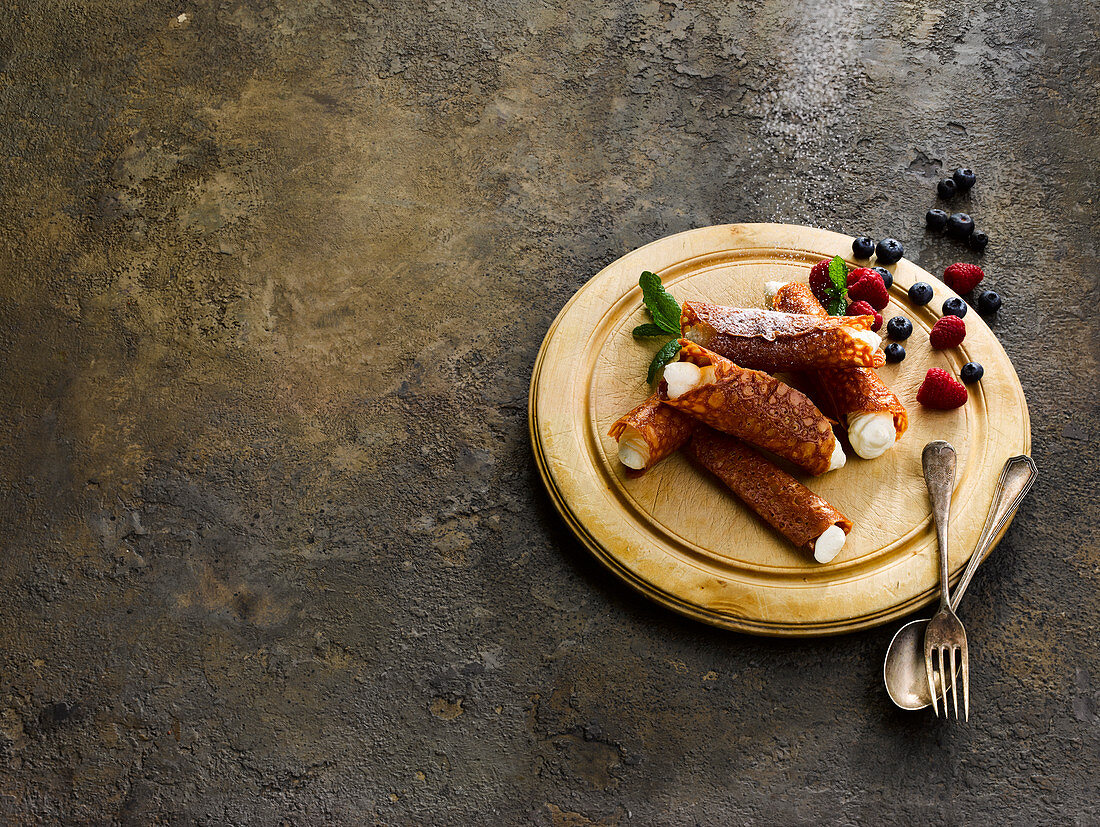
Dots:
pixel 795 297
pixel 872 413
pixel 751 405
pixel 649 433
pixel 775 341
pixel 805 519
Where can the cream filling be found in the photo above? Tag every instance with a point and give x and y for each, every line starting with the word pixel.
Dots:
pixel 693 334
pixel 681 377
pixel 871 434
pixel 633 449
pixel 838 458
pixel 829 544
pixel 868 336
pixel 771 288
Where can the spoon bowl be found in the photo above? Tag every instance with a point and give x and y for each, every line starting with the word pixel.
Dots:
pixel 904 671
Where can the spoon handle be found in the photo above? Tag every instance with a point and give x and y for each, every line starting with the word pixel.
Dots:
pixel 938 461
pixel 1018 476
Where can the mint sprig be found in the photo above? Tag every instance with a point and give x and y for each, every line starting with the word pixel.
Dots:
pixel 664 309
pixel 649 329
pixel 665 355
pixel 837 289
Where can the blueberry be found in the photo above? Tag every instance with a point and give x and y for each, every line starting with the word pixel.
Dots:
pixel 971 371
pixel 889 251
pixel 954 307
pixel 935 219
pixel 920 293
pixel 899 328
pixel 894 352
pixel 887 276
pixel 960 225
pixel 863 247
pixel 963 178
pixel 947 189
pixel 989 303
pixel 978 241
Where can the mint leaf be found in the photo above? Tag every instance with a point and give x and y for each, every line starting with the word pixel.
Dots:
pixel 664 309
pixel 665 355
pixel 837 305
pixel 838 273
pixel 649 329
pixel 837 290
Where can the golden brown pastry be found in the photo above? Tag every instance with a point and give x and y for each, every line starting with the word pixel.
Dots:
pixel 772 341
pixel 751 405
pixel 872 414
pixel 792 509
pixel 649 433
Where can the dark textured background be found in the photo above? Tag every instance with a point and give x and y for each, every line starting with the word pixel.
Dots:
pixel 274 276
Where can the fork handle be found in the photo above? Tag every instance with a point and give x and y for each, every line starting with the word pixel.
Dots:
pixel 1016 480
pixel 938 461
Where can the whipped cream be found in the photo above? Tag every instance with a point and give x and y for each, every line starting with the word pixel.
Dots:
pixel 633 449
pixel 838 458
pixel 868 336
pixel 681 377
pixel 829 544
pixel 693 334
pixel 871 434
pixel 771 288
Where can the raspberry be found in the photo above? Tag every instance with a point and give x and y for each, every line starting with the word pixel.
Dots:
pixel 861 308
pixel 869 288
pixel 941 390
pixel 819 280
pixel 947 332
pixel 858 273
pixel 962 278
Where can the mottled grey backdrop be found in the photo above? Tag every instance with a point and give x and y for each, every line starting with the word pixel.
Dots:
pixel 272 280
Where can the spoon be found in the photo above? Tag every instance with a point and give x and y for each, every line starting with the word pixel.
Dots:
pixel 904 672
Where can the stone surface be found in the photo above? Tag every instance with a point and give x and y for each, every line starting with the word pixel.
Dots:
pixel 274 277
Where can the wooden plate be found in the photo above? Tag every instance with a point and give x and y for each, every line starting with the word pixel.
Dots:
pixel 681 538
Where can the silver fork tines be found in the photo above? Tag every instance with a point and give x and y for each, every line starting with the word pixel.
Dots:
pixel 945 656
pixel 945 632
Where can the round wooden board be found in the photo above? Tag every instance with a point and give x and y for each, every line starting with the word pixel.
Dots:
pixel 680 537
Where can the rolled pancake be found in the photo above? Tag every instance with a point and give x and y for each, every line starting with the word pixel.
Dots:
pixel 776 341
pixel 795 297
pixel 779 499
pixel 649 433
pixel 754 406
pixel 854 396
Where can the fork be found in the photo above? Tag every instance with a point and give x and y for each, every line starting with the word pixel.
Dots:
pixel 945 632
